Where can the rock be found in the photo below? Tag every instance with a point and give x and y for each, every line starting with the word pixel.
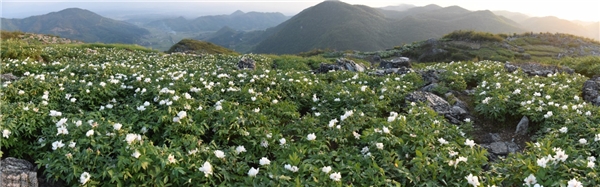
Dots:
pixel 341 64
pixel 17 172
pixel 400 71
pixel 510 68
pixel 395 63
pixel 454 115
pixel 591 91
pixel 499 148
pixel 429 87
pixel 535 69
pixel 8 77
pixel 349 65
pixel 522 126
pixel 431 76
pixel 246 63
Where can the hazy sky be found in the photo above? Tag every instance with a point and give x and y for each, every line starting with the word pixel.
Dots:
pixel 584 10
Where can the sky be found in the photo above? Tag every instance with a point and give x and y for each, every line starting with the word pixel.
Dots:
pixel 583 10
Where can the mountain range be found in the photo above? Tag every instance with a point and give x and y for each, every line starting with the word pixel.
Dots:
pixel 331 25
pixel 237 20
pixel 78 24
pixel 340 26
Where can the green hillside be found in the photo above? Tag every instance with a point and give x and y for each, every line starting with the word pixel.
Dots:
pixel 78 24
pixel 198 47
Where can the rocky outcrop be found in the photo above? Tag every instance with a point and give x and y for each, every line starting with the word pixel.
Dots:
pixel 382 72
pixel 535 69
pixel 591 91
pixel 341 64
pixel 246 63
pixel 395 63
pixel 455 114
pixel 523 126
pixel 17 172
pixel 8 77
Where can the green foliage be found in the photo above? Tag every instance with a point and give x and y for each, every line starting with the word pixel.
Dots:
pixel 291 62
pixel 132 117
pixel 588 66
pixel 199 47
pixel 473 36
pixel 6 35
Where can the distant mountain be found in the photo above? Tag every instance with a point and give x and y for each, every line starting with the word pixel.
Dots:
pixel 515 16
pixel 401 7
pixel 240 41
pixel 237 20
pixel 78 24
pixel 340 26
pixel 556 25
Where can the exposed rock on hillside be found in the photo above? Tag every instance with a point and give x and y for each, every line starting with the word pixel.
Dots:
pixel 535 69
pixel 17 172
pixel 454 114
pixel 341 64
pixel 591 91
pixel 246 63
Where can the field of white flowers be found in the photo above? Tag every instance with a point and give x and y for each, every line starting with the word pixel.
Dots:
pixel 123 118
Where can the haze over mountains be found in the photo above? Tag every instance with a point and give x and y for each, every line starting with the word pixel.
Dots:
pixel 330 24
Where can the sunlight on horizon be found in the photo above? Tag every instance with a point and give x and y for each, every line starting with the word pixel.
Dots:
pixel 582 10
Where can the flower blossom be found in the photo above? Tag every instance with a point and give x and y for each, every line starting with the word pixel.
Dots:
pixel 84 178
pixel 206 168
pixel 336 176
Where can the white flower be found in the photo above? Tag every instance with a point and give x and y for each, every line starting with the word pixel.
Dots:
pixel 473 180
pixel 563 130
pixel 311 137
pixel 386 130
pixel 61 122
pixel 548 114
pixel 326 169
pixel 141 108
pixel 72 144
pixel 62 130
pixel 517 91
pixel 253 98
pixel 252 172
pixel 336 176
pixel 84 178
pixel 117 126
pixel 597 137
pixel 240 149
pixel 356 135
pixel 57 144
pixel 73 100
pixel 486 100
pixel 560 155
pixel 171 159
pixel 332 123
pixel 379 146
pixel 317 114
pixel 264 143
pixel 591 164
pixel 442 141
pixel 574 183
pixel 257 110
pixel 136 154
pixel 206 168
pixel 89 133
pixel 470 143
pixel 55 113
pixel 275 101
pixel 591 158
pixel 291 168
pixel 282 141
pixel 452 153
pixel 132 137
pixel 582 141
pixel 264 161
pixel 21 92
pixel 576 98
pixel 530 180
pixel 468 120
pixel 543 161
pixel 219 154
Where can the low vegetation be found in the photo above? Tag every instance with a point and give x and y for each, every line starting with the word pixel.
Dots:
pixel 198 47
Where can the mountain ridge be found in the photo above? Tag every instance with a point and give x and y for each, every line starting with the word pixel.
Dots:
pixel 78 24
